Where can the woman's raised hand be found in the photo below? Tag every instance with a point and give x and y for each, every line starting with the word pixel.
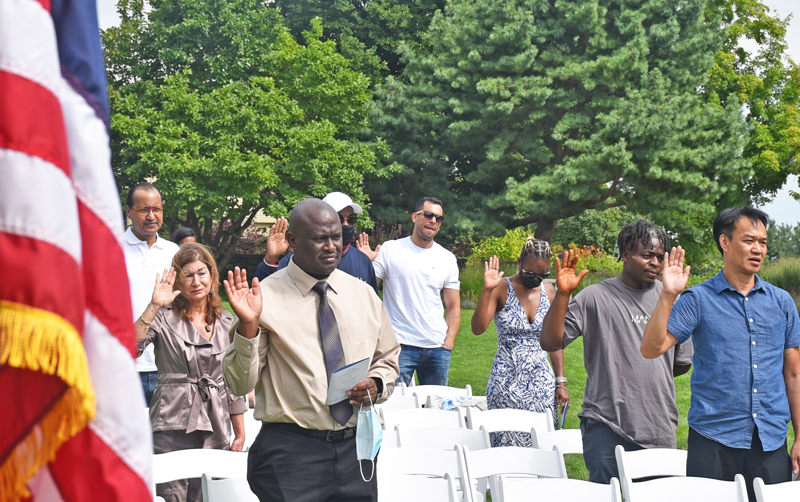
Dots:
pixel 245 302
pixel 163 294
pixel 566 280
pixel 492 276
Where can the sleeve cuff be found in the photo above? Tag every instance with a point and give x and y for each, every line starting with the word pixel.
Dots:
pixel 274 265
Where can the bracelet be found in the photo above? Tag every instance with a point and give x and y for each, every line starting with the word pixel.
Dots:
pixel 561 379
pixel 561 387
pixel 145 322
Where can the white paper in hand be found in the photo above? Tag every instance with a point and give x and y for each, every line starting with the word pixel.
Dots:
pixel 344 379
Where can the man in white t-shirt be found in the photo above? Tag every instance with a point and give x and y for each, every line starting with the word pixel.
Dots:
pixel 416 274
pixel 146 254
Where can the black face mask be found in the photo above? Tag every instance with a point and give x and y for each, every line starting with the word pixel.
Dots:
pixel 530 282
pixel 348 234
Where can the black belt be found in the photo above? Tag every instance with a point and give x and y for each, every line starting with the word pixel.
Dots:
pixel 339 435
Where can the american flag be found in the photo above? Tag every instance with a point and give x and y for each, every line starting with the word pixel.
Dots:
pixel 73 427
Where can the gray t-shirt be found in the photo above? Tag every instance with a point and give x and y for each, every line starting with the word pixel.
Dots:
pixel 632 395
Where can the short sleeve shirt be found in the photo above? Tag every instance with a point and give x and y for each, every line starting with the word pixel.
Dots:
pixel 413 280
pixel 737 382
pixel 632 395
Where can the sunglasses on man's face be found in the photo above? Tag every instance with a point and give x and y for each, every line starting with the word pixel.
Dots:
pixel 351 220
pixel 429 215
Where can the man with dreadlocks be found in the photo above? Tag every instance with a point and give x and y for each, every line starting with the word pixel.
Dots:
pixel 629 400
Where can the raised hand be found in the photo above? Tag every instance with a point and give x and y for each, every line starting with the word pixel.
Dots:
pixel 566 280
pixel 163 294
pixel 491 274
pixel 276 242
pixel 362 244
pixel 246 303
pixel 675 276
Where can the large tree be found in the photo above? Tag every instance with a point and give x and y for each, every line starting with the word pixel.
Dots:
pixel 216 101
pixel 532 111
pixel 752 66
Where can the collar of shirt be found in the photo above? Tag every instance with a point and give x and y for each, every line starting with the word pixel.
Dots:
pixel 720 284
pixel 305 282
pixel 133 240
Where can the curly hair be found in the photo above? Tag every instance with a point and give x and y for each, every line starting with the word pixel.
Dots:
pixel 642 231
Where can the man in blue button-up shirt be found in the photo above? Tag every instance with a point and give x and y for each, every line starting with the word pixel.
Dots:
pixel 746 379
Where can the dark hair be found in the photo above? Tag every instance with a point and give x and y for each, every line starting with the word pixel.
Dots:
pixel 642 231
pixel 536 248
pixel 422 201
pixel 191 252
pixel 727 220
pixel 140 186
pixel 180 234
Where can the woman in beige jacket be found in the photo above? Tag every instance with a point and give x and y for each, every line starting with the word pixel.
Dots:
pixel 192 406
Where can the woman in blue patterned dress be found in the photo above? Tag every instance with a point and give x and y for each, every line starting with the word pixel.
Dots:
pixel 521 377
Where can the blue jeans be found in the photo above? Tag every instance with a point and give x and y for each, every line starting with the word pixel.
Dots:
pixel 432 365
pixel 149 379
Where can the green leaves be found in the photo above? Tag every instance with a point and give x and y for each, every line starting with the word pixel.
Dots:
pixel 219 104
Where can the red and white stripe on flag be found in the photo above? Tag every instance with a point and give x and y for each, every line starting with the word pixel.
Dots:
pixel 74 426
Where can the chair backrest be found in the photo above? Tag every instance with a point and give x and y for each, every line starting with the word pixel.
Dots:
pixel 509 420
pixel 556 489
pixel 423 391
pixel 418 418
pixel 193 463
pixel 399 388
pixel 398 402
pixel 514 460
pixel 390 440
pixel 790 490
pixel 402 488
pixel 688 489
pixel 442 438
pixel 423 462
pixel 633 465
pixel 227 490
pixel 567 440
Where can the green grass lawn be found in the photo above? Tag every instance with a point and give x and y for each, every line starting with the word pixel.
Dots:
pixel 472 360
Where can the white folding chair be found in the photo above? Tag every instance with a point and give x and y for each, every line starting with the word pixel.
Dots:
pixel 779 492
pixel 567 440
pixel 389 440
pixel 423 391
pixel 486 465
pixel 227 490
pixel 398 402
pixel 428 462
pixel 562 490
pixel 443 438
pixel 399 388
pixel 402 488
pixel 509 420
pixel 194 463
pixel 417 418
pixel 159 499
pixel 688 489
pixel 633 465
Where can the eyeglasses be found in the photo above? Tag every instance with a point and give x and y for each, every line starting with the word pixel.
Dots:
pixel 147 210
pixel 351 220
pixel 429 215
pixel 533 275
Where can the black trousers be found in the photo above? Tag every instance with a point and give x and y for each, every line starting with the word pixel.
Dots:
pixel 710 459
pixel 599 442
pixel 285 464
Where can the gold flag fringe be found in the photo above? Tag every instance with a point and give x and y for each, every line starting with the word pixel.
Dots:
pixel 39 340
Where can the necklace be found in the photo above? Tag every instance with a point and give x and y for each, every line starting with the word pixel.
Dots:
pixel 208 328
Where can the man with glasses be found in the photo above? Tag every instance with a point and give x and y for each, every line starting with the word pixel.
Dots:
pixel 146 254
pixel 416 273
pixel 353 261
pixel 629 400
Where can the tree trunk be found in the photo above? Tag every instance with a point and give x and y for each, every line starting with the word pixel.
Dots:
pixel 545 228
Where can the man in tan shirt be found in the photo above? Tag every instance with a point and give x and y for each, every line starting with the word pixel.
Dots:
pixel 303 453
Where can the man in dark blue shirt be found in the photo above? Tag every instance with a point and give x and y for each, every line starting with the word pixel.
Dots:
pixel 353 261
pixel 746 379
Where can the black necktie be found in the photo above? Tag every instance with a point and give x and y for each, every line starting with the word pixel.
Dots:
pixel 331 348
